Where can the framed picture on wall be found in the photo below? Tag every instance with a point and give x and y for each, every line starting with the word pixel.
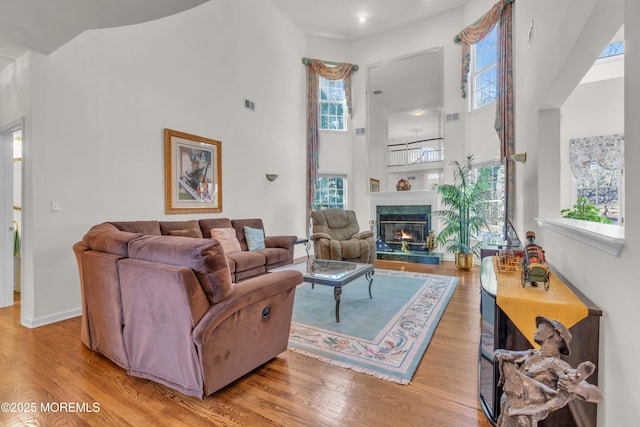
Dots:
pixel 374 185
pixel 193 173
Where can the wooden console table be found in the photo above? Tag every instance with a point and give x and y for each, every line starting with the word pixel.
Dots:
pixel 500 331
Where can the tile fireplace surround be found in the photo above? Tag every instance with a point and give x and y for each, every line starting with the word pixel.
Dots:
pixel 403 200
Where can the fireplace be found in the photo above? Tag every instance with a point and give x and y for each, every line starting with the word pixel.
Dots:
pixel 404 228
pixel 396 212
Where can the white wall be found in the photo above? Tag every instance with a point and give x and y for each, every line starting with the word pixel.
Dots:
pixel 568 37
pixel 99 107
pixel 592 109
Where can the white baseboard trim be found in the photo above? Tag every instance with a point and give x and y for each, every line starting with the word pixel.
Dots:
pixel 51 318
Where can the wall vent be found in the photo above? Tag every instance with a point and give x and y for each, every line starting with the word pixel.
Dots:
pixel 453 117
pixel 249 105
pixel 359 131
pixel 377 92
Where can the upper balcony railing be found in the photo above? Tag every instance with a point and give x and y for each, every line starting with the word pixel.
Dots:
pixel 416 152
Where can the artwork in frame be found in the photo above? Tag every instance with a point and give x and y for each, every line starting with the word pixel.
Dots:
pixel 193 173
pixel 374 185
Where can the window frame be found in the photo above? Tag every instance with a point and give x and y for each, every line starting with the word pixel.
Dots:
pixel 344 205
pixel 330 85
pixel 489 68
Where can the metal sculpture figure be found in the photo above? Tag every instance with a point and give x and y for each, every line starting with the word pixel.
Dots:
pixel 538 382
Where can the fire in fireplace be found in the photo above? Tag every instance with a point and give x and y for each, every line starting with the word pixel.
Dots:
pixel 404 226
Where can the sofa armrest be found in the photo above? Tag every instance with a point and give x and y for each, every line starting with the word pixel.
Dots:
pixel 362 235
pixel 244 293
pixel 284 242
pixel 318 236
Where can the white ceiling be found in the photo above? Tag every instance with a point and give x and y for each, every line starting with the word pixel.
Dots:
pixel 45 25
pixel 338 19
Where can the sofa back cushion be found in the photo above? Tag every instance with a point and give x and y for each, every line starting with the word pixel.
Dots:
pixel 204 256
pixel 239 225
pixel 207 224
pixel 176 228
pixel 144 227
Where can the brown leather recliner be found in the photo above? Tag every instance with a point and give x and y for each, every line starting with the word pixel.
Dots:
pixel 337 236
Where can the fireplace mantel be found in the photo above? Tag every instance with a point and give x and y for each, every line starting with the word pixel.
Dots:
pixel 402 198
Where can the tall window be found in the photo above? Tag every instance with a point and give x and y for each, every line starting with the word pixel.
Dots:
pixel 332 105
pixel 484 70
pixel 495 215
pixel 331 192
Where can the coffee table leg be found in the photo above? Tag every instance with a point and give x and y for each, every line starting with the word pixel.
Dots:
pixel 369 277
pixel 337 291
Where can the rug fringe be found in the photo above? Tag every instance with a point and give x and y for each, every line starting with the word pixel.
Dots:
pixel 355 368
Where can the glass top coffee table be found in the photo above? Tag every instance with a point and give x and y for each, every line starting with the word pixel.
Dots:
pixel 331 273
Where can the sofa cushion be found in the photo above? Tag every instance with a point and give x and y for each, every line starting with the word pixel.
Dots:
pixel 144 227
pixel 240 224
pixel 189 232
pixel 227 238
pixel 254 237
pixel 207 224
pixel 275 256
pixel 204 256
pixel 166 227
pixel 247 260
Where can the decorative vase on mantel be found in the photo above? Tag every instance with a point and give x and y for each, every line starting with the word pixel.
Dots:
pixel 403 185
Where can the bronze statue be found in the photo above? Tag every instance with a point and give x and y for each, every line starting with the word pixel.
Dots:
pixel 537 382
pixel 430 243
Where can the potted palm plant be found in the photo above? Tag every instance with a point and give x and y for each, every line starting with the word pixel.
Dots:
pixel 464 204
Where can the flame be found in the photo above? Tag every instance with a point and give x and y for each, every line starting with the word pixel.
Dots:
pixel 406 236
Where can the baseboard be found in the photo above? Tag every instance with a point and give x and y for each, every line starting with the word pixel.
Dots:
pixel 51 318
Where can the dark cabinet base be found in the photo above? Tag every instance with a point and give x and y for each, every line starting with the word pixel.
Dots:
pixel 498 332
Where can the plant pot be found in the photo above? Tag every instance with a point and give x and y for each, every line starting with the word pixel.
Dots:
pixel 464 261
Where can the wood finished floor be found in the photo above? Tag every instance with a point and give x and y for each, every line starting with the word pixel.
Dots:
pixel 50 365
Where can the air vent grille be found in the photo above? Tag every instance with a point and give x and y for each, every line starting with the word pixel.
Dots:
pixel 360 131
pixel 377 92
pixel 454 117
pixel 249 105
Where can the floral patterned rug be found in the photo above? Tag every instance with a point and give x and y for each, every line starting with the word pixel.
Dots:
pixel 384 336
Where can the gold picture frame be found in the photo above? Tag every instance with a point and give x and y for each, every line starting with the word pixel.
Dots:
pixel 193 173
pixel 374 185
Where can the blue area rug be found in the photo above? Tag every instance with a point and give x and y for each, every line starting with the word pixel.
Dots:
pixel 385 336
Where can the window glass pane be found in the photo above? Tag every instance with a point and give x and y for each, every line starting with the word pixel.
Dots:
pixel 330 192
pixel 332 103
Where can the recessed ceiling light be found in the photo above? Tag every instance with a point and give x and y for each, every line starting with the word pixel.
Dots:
pixel 362 19
pixel 418 112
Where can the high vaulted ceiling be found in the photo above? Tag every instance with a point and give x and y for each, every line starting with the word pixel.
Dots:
pixel 45 25
pixel 338 19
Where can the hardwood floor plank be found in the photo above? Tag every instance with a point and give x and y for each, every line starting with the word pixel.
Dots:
pixel 50 365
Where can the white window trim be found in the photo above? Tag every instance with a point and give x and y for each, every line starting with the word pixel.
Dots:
pixel 606 237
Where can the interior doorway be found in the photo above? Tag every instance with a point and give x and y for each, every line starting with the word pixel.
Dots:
pixel 11 157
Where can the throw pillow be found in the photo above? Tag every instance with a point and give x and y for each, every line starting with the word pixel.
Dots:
pixel 227 238
pixel 190 232
pixel 254 237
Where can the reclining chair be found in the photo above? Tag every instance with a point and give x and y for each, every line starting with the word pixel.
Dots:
pixel 337 236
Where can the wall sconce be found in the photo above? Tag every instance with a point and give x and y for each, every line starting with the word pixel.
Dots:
pixel 520 157
pixel 272 176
